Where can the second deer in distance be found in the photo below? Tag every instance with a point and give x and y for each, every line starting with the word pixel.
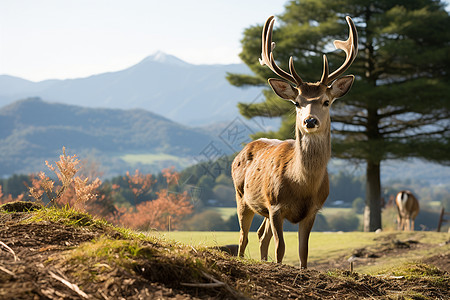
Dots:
pixel 288 179
pixel 408 209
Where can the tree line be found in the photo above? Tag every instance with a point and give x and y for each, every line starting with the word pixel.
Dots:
pixel 184 200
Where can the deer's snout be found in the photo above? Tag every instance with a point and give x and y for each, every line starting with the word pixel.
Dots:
pixel 311 122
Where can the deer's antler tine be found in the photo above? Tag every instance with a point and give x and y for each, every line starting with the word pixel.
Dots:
pixel 298 79
pixel 267 55
pixel 325 73
pixel 266 41
pixel 350 46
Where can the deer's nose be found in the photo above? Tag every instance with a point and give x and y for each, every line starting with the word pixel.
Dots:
pixel 311 122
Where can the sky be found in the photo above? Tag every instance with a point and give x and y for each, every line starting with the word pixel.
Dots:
pixel 61 39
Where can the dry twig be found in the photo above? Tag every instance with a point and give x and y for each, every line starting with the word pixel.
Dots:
pixel 7 271
pixel 71 286
pixel 10 250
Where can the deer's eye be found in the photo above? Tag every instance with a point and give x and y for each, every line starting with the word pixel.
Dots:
pixel 297 104
pixel 326 103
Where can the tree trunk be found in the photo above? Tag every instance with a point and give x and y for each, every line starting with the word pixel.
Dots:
pixel 372 211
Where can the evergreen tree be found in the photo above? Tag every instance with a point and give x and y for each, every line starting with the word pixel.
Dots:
pixel 399 104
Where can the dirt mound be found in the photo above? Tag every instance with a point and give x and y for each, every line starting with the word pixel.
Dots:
pixel 53 260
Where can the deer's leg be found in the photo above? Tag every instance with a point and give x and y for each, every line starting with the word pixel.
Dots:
pixel 304 229
pixel 399 223
pixel 412 224
pixel 409 220
pixel 264 234
pixel 402 224
pixel 276 223
pixel 245 216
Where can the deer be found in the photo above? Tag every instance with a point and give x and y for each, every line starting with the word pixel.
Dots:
pixel 408 209
pixel 288 179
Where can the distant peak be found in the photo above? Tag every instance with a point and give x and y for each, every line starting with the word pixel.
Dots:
pixel 164 58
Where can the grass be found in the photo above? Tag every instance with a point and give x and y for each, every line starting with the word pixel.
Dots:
pixel 151 158
pixel 225 212
pixel 67 216
pixel 323 246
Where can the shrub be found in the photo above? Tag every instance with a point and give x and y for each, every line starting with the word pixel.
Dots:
pixel 206 221
pixel 358 205
pixel 343 222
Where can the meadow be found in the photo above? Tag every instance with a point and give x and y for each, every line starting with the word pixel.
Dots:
pixel 327 247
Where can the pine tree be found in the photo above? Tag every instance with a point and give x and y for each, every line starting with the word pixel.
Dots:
pixel 399 104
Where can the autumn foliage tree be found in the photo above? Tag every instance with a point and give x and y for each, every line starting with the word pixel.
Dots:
pixel 71 190
pixel 163 209
pixel 166 212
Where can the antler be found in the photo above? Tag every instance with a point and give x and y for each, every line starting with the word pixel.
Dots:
pixel 350 46
pixel 267 55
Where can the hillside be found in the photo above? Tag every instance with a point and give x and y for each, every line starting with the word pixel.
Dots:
pixel 185 93
pixel 59 254
pixel 32 131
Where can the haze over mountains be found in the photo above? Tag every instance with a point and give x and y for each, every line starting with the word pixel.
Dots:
pixel 32 131
pixel 163 84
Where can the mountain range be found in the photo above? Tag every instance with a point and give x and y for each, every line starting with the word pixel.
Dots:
pixel 189 94
pixel 157 113
pixel 32 131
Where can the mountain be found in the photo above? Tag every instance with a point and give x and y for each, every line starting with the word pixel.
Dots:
pixel 185 93
pixel 32 131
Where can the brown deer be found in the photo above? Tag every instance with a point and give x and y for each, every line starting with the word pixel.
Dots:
pixel 408 209
pixel 288 179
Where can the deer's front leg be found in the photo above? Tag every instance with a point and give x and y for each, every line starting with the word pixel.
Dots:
pixel 304 229
pixel 276 223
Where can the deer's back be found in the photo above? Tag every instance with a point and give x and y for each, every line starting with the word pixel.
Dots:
pixel 408 205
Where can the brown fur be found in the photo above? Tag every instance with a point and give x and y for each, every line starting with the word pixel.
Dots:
pixel 407 211
pixel 288 179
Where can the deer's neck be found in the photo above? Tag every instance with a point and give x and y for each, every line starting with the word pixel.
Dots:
pixel 312 153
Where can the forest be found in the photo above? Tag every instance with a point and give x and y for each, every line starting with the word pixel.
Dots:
pixel 196 197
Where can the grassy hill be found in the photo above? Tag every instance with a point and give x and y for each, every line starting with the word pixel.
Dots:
pixel 51 253
pixel 32 131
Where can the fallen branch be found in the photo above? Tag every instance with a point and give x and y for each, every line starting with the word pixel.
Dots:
pixel 10 250
pixel 7 271
pixel 204 285
pixel 214 284
pixel 71 286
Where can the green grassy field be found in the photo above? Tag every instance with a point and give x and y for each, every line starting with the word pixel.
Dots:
pixel 227 212
pixel 323 246
pixel 151 158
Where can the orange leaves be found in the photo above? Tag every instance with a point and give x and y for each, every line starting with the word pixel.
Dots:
pixel 170 175
pixel 139 184
pixel 163 210
pixel 71 190
pixel 164 213
pixel 5 199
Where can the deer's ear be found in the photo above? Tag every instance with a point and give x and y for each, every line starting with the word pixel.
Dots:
pixel 341 86
pixel 283 89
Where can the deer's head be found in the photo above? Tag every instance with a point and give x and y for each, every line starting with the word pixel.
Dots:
pixel 312 100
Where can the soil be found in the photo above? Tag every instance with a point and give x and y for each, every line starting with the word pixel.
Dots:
pixel 30 268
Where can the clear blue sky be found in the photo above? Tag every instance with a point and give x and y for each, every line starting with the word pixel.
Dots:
pixel 47 39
